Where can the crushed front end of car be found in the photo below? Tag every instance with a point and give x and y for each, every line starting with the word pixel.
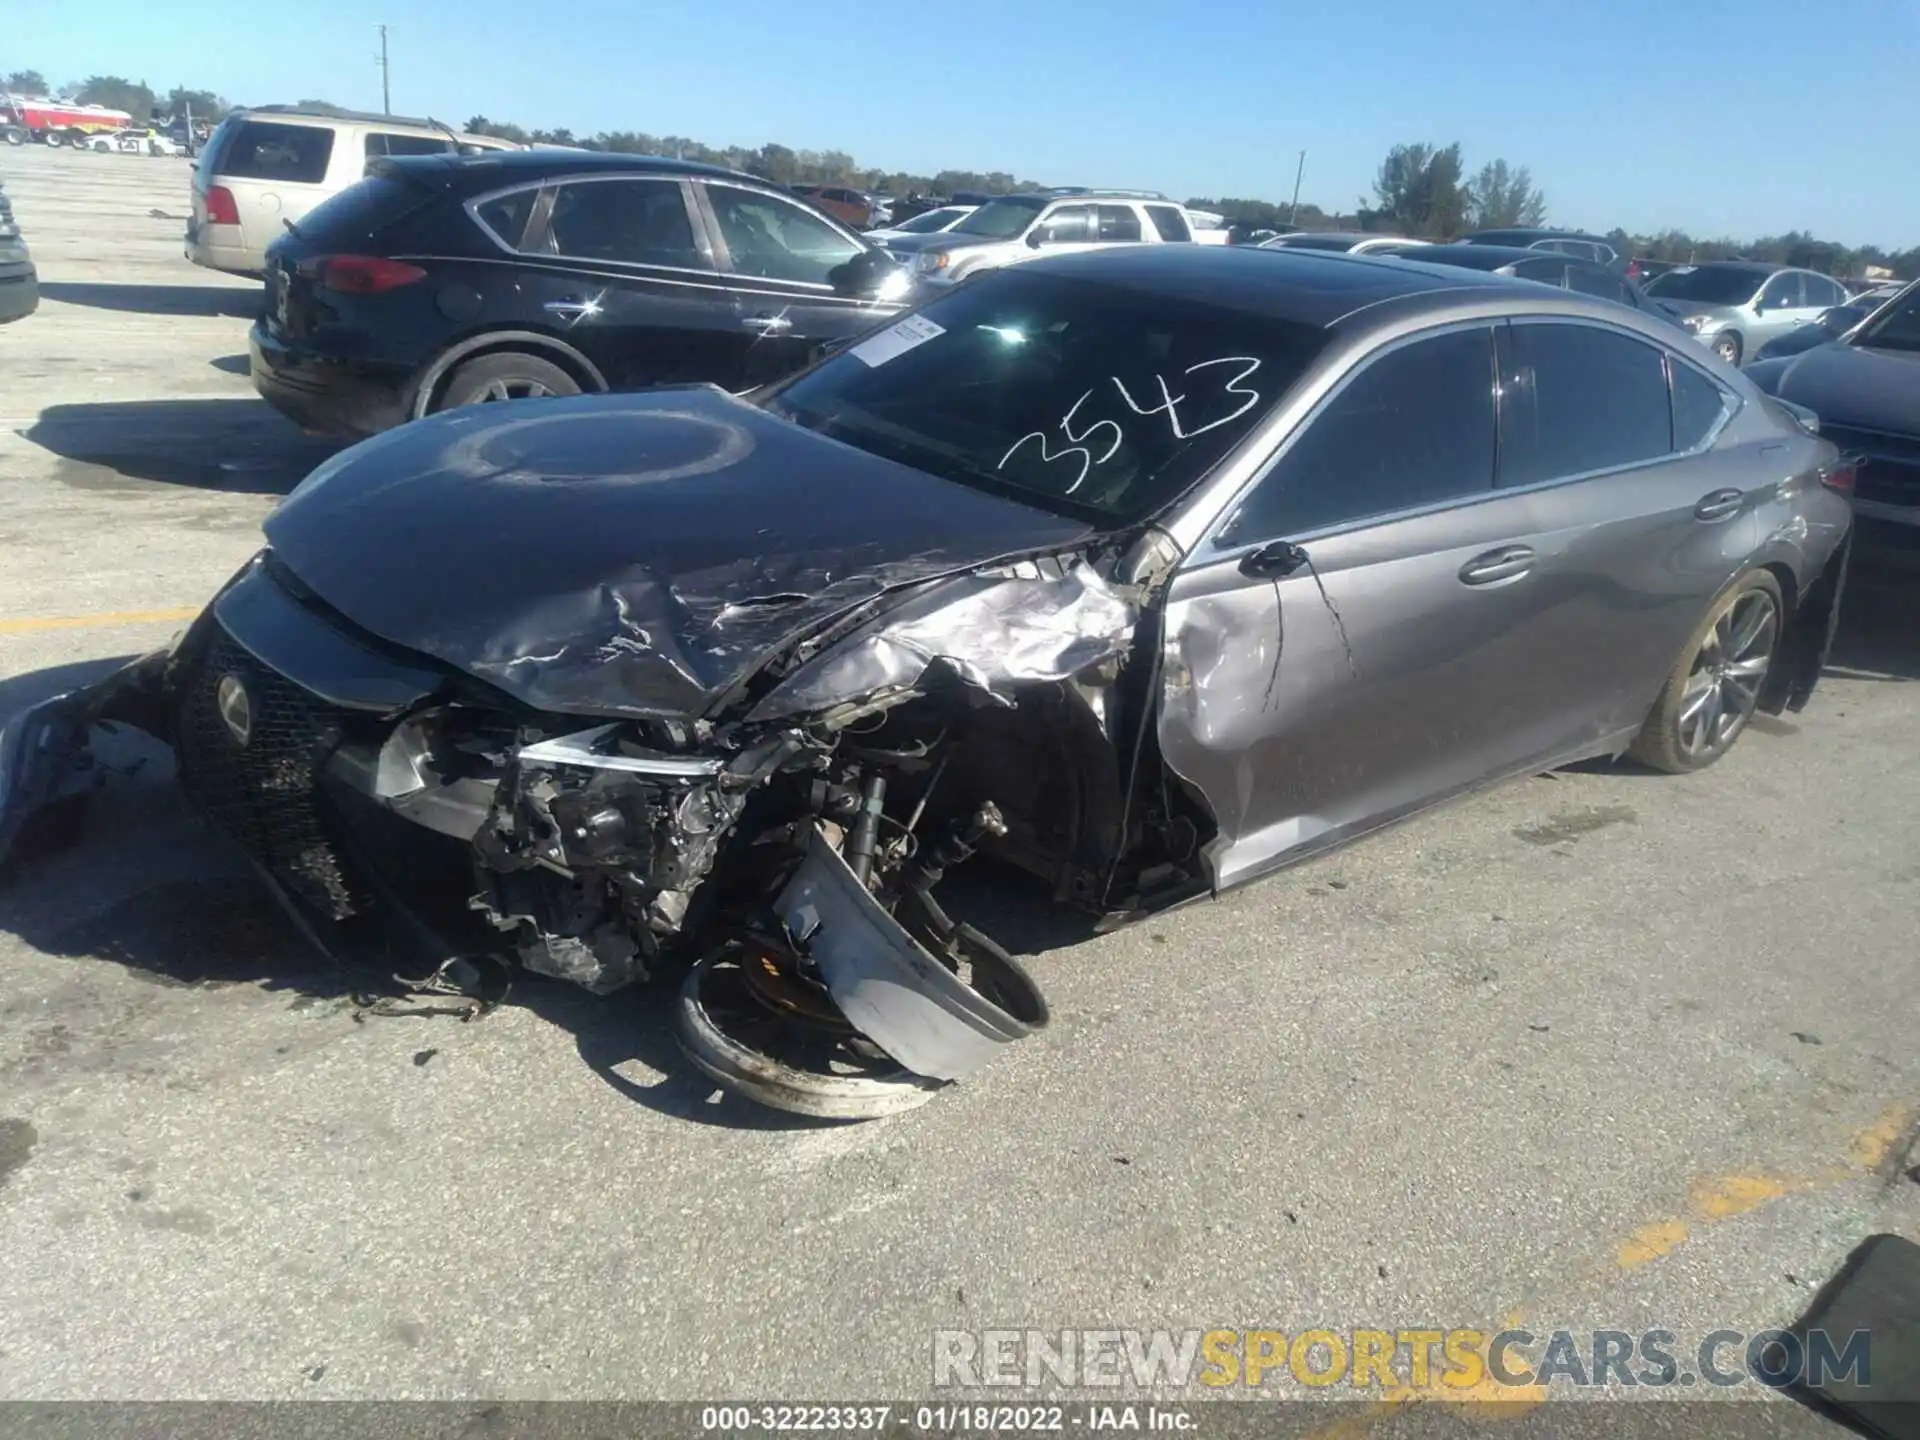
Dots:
pixel 775 843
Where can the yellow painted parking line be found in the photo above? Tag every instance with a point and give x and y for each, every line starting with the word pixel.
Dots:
pixel 83 622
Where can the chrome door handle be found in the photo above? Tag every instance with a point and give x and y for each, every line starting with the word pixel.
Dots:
pixel 570 307
pixel 1507 563
pixel 1719 504
pixel 768 324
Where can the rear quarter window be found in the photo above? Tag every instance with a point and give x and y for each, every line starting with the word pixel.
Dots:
pixel 266 150
pixel 1169 222
pixel 507 215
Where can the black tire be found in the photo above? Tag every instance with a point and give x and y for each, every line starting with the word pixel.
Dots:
pixel 55 139
pixel 513 375
pixel 1729 347
pixel 1678 737
pixel 15 135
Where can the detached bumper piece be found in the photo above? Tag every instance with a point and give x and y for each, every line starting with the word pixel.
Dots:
pixel 846 1013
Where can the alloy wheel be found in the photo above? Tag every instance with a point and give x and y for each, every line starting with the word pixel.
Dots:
pixel 1723 687
pixel 511 389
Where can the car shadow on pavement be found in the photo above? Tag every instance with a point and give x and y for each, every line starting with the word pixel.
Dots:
pixel 1879 633
pixel 202 300
pixel 238 444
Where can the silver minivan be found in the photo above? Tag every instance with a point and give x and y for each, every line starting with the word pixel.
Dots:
pixel 266 168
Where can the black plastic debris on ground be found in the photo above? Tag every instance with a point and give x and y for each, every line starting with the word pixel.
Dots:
pixel 1876 1293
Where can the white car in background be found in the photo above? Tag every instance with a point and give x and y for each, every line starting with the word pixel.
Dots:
pixel 134 141
pixel 927 222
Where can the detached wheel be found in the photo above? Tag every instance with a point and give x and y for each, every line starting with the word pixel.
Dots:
pixel 512 376
pixel 1712 692
pixel 1727 346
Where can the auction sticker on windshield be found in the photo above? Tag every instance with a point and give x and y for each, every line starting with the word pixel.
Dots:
pixel 896 340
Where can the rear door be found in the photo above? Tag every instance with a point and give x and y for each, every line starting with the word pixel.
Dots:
pixel 1634 522
pixel 776 260
pixel 1311 701
pixel 618 268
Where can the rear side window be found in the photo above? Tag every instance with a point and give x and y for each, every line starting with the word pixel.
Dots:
pixel 506 216
pixel 265 150
pixel 380 143
pixel 1591 280
pixel 1822 291
pixel 1171 224
pixel 1697 406
pixel 1599 400
pixel 636 222
pixel 1118 222
pixel 1416 427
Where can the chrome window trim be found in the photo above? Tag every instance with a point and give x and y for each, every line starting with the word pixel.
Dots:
pixel 1211 548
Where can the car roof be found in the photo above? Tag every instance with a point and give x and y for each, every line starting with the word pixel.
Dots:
pixel 1309 287
pixel 510 167
pixel 1755 267
pixel 1492 257
pixel 331 113
pixel 1532 232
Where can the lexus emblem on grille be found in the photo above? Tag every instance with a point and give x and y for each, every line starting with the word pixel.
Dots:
pixel 236 708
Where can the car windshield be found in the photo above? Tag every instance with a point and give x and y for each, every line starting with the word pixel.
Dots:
pixel 931 221
pixel 1896 326
pixel 1708 285
pixel 1001 219
pixel 1079 398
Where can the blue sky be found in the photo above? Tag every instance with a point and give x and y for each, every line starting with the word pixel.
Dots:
pixel 1719 118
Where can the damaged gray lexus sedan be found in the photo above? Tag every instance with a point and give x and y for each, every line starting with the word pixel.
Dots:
pixel 1147 571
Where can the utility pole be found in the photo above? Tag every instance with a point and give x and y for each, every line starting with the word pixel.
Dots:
pixel 1293 210
pixel 386 89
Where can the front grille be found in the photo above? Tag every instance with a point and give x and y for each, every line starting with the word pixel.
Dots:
pixel 264 792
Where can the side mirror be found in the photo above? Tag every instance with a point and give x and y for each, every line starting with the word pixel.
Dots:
pixel 1036 237
pixel 864 274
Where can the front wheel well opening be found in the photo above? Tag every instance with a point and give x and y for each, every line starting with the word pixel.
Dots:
pixel 1789 587
pixel 581 373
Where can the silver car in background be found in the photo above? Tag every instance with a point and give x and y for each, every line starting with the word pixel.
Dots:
pixel 1736 306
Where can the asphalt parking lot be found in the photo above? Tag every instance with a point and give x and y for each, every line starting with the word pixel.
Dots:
pixel 1602 1048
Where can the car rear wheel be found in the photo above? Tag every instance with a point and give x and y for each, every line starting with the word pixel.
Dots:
pixel 1714 690
pixel 55 139
pixel 1727 346
pixel 512 376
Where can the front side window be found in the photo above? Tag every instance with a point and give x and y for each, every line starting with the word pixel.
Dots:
pixel 1782 292
pixel 1169 222
pixel 1070 224
pixel 771 239
pixel 1072 396
pixel 1588 399
pixel 1118 222
pixel 633 222
pixel 1414 428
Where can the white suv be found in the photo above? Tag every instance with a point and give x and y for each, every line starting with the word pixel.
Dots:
pixel 1012 228
pixel 267 167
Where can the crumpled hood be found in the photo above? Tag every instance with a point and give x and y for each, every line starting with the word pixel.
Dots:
pixel 626 554
pixel 1852 385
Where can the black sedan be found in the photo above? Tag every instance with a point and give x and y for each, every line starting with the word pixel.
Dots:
pixel 442 281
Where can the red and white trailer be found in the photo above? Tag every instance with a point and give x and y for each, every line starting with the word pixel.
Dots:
pixel 55 122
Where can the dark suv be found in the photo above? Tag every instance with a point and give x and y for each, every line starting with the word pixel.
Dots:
pixel 447 280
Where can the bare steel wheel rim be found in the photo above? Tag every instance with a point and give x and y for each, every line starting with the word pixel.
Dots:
pixel 1723 687
pixel 1728 347
pixel 511 388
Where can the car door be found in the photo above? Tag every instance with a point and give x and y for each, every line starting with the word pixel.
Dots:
pixel 616 266
pixel 1779 307
pixel 1343 648
pixel 1635 521
pixel 778 261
